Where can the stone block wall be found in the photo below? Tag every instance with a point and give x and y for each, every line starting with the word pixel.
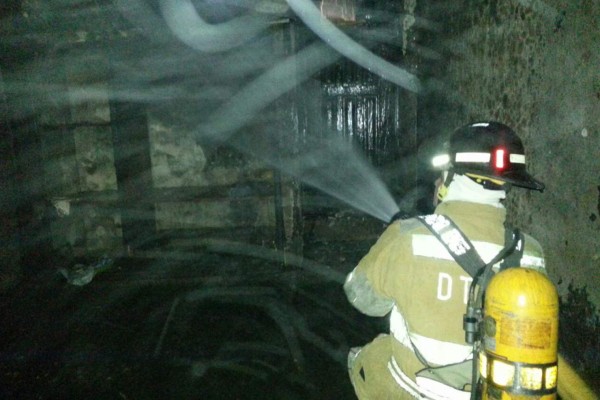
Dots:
pixel 192 188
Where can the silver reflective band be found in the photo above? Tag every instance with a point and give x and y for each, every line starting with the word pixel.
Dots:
pixel 399 330
pixel 440 352
pixel 518 378
pixel 403 380
pixel 428 246
pixel 435 351
pixel 424 389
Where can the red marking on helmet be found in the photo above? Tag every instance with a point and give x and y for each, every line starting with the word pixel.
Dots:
pixel 499 158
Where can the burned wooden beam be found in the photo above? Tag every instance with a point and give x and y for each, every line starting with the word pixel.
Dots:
pixel 133 168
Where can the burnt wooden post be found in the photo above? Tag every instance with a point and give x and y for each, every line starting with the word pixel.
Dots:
pixel 10 253
pixel 24 184
pixel 133 168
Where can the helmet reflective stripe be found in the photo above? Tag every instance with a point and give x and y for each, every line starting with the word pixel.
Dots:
pixel 492 150
pixel 486 157
pixel 517 158
pixel 473 157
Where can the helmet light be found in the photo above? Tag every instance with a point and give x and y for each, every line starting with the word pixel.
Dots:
pixel 440 160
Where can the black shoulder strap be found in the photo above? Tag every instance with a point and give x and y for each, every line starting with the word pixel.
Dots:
pixel 457 244
pixel 463 251
pixel 514 258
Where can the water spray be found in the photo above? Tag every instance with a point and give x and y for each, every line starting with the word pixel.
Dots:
pixel 330 164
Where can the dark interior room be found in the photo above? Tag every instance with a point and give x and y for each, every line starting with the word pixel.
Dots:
pixel 186 185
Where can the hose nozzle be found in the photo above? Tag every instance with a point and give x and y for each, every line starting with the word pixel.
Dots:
pixel 397 216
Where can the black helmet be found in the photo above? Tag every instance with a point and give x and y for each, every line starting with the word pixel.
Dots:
pixel 489 151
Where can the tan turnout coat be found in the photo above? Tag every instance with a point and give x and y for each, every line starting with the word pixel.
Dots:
pixel 409 274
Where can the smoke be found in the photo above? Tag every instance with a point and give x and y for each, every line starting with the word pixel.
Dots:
pixel 253 98
pixel 329 33
pixel 225 70
pixel 190 28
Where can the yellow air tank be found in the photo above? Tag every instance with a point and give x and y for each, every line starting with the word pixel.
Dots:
pixel 520 336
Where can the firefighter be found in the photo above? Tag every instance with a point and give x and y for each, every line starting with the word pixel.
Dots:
pixel 410 275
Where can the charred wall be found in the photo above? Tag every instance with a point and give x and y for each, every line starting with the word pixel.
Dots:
pixel 534 66
pixel 122 163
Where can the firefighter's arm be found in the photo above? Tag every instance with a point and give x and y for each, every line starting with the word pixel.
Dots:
pixel 363 297
pixel 365 285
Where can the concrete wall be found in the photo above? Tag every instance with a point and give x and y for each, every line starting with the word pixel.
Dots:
pixel 534 65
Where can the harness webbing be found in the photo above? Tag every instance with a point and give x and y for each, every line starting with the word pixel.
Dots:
pixel 465 254
pixel 455 241
pixel 461 248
